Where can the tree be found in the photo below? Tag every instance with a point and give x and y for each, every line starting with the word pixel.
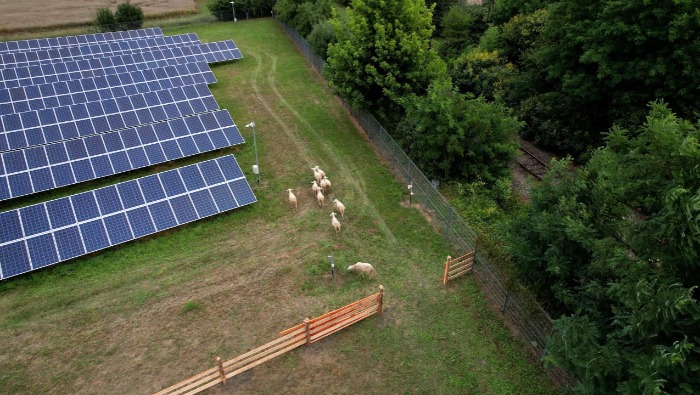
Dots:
pixel 104 20
pixel 383 55
pixel 452 136
pixel 129 16
pixel 461 28
pixel 482 73
pixel 303 15
pixel 221 9
pixel 320 37
pixel 613 246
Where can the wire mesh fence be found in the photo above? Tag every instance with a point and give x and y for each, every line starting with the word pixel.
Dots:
pixel 518 307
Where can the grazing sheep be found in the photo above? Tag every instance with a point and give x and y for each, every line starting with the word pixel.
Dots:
pixel 317 175
pixel 326 183
pixel 314 187
pixel 335 223
pixel 340 207
pixel 320 197
pixel 321 172
pixel 292 199
pixel 362 268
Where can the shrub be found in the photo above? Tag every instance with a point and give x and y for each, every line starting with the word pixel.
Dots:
pixel 221 9
pixel 321 35
pixel 104 20
pixel 129 16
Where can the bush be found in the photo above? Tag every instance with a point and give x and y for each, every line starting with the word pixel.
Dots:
pixel 129 16
pixel 462 27
pixel 104 20
pixel 222 10
pixel 321 35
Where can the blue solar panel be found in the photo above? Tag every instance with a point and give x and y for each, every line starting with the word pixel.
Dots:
pixel 34 169
pixel 155 58
pixel 60 42
pixel 75 121
pixel 48 56
pixel 77 230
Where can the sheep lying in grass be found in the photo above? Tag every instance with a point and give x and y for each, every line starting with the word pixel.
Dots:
pixel 292 199
pixel 363 268
pixel 335 223
pixel 320 197
pixel 326 183
pixel 340 207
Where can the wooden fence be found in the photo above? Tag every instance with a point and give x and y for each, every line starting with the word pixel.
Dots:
pixel 457 267
pixel 310 331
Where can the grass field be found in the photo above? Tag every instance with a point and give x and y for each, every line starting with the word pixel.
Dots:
pixel 145 315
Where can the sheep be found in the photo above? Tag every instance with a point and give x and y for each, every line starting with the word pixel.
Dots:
pixel 326 183
pixel 292 199
pixel 321 172
pixel 335 223
pixel 314 187
pixel 363 268
pixel 320 197
pixel 317 174
pixel 340 207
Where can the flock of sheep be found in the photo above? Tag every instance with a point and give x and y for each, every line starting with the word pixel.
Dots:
pixel 318 186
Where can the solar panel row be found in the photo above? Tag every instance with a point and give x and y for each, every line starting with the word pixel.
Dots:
pixel 112 48
pixel 35 75
pixel 45 167
pixel 47 233
pixel 50 125
pixel 68 41
pixel 65 93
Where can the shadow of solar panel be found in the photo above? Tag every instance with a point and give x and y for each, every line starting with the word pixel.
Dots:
pixel 75 121
pixel 70 41
pixel 89 90
pixel 154 58
pixel 47 233
pixel 49 56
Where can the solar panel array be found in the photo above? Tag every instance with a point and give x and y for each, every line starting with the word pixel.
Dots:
pixel 47 233
pixel 78 108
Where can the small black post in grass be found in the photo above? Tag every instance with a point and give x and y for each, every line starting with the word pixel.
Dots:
pixel 332 258
pixel 505 302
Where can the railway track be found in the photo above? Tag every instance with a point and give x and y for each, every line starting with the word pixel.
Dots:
pixel 532 164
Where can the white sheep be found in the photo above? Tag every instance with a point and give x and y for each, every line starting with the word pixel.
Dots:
pixel 292 199
pixel 320 197
pixel 321 172
pixel 335 223
pixel 314 187
pixel 340 207
pixel 317 174
pixel 363 268
pixel 326 183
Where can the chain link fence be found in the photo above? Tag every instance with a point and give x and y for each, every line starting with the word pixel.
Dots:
pixel 520 310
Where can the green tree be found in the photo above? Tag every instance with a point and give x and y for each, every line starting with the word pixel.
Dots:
pixel 461 28
pixel 129 16
pixel 303 15
pixel 320 37
pixel 383 55
pixel 221 9
pixel 104 20
pixel 452 136
pixel 482 73
pixel 613 246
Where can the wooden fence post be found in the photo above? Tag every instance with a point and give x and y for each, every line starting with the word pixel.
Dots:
pixel 221 370
pixel 308 332
pixel 381 300
pixel 447 268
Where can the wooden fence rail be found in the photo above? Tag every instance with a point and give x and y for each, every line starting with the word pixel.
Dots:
pixel 310 331
pixel 457 267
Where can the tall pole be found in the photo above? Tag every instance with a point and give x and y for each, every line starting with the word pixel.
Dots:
pixel 255 145
pixel 233 7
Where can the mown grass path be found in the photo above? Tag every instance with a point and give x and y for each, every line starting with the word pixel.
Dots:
pixel 142 316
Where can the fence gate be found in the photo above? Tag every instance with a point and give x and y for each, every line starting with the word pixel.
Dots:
pixel 457 267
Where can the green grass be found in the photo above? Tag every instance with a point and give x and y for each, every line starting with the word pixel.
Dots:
pixel 147 314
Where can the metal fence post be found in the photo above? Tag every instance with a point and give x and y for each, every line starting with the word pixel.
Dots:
pixel 449 222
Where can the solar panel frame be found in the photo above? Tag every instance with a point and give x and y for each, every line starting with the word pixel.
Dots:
pixel 123 112
pixel 39 97
pixel 36 75
pixel 114 48
pixel 31 170
pixel 78 231
pixel 46 43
